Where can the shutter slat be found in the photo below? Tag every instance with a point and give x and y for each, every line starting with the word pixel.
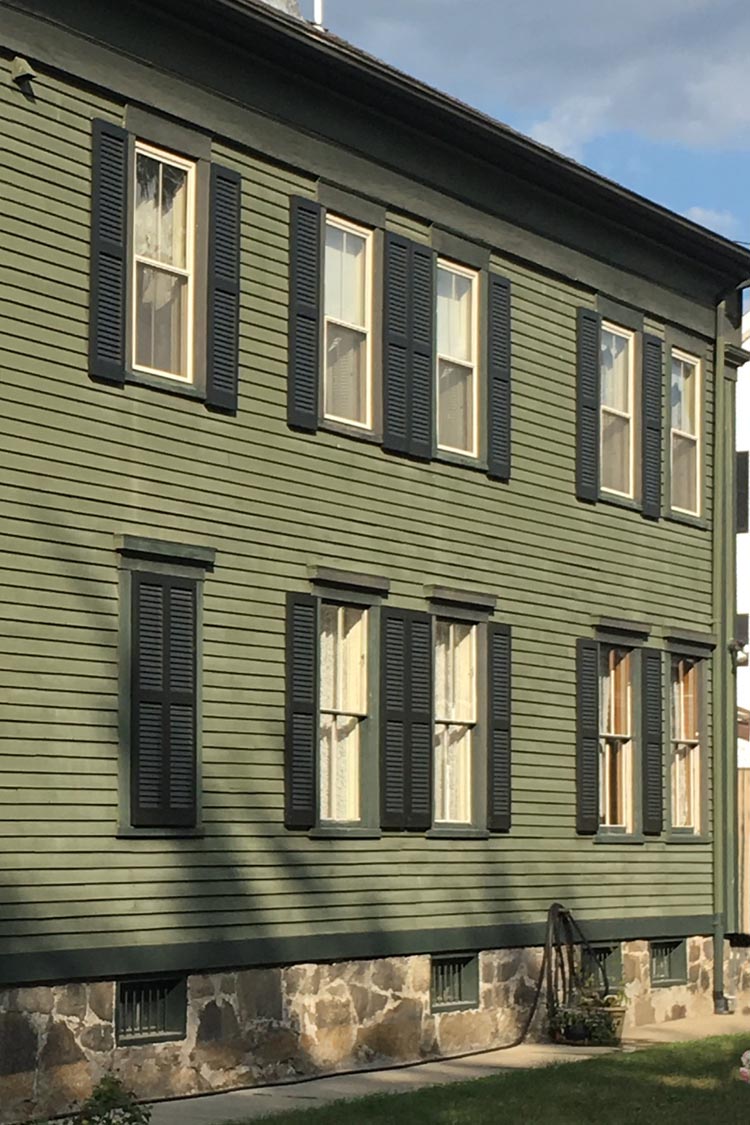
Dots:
pixel 302 711
pixel 587 750
pixel 305 313
pixel 222 354
pixel 652 755
pixel 422 351
pixel 109 241
pixel 587 437
pixel 653 382
pixel 499 728
pixel 498 378
pixel 396 344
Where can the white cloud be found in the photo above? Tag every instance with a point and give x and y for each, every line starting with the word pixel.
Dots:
pixel 668 69
pixel 723 222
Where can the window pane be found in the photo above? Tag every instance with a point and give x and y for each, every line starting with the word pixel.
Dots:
pixel 345 275
pixel 339 768
pixel 615 466
pixel 328 645
pixel 454 315
pixel 682 802
pixel 615 371
pixel 353 693
pixel 615 691
pixel 161 318
pixel 455 406
pixel 684 396
pixel 464 706
pixel 146 206
pixel 173 234
pixel 684 473
pixel 443 670
pixel 453 774
pixel 614 783
pixel 346 374
pixel 161 211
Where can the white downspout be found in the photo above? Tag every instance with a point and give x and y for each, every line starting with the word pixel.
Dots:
pixel 318 13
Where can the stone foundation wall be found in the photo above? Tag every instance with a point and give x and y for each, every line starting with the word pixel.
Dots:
pixel 260 1026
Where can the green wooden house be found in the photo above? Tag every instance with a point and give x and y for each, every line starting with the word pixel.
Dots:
pixel 366 497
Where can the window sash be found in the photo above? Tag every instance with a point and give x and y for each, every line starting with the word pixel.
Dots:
pixel 678 435
pixel 685 760
pixel 364 329
pixel 343 711
pixel 616 783
pixel 465 364
pixel 454 748
pixel 457 660
pixel 606 409
pixel 186 272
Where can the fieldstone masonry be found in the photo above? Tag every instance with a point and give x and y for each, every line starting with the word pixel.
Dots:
pixel 260 1026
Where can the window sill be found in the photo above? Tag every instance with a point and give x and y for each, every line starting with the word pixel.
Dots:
pixel 342 832
pixel 669 983
pixel 675 836
pixel 627 502
pixel 442 1009
pixel 341 429
pixel 620 838
pixel 169 386
pixel 127 832
pixel 457 833
pixel 463 460
pixel 698 522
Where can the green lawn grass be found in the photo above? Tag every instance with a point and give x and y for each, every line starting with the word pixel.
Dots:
pixel 675 1084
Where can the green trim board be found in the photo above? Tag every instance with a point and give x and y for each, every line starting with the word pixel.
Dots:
pixel 184 957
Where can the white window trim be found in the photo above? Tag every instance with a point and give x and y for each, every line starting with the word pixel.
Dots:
pixel 629 335
pixel 188 271
pixel 626 741
pixel 686 357
pixel 473 275
pixel 470 725
pixel 694 747
pixel 367 235
pixel 360 716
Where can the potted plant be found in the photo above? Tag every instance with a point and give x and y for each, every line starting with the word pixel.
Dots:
pixel 589 1019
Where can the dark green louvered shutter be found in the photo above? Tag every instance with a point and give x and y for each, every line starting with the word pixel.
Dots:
pixel 422 380
pixel 652 755
pixel 587 748
pixel 163 701
pixel 498 727
pixel 396 344
pixel 305 313
pixel 302 710
pixel 222 353
pixel 406 719
pixel 587 437
pixel 408 347
pixel 652 426
pixel 108 300
pixel 498 378
pixel 742 503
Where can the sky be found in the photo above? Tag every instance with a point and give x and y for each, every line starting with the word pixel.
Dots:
pixel 651 93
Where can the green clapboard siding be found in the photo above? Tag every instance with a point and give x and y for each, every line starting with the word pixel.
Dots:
pixel 83 463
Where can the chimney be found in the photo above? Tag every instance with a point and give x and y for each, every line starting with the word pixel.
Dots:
pixel 289 7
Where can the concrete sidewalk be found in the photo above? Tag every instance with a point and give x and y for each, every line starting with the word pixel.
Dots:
pixel 260 1102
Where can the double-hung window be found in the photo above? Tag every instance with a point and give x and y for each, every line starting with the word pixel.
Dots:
pixel 617 410
pixel 686 743
pixel 343 710
pixel 457 348
pixel 347 387
pixel 616 737
pixel 455 720
pixel 685 433
pixel 164 253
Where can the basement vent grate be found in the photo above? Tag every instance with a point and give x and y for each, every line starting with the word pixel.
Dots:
pixel 454 983
pixel 151 1011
